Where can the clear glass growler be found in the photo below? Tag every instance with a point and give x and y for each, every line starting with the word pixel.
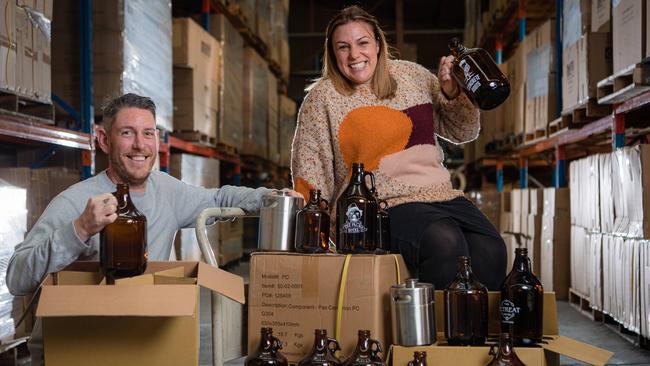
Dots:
pixel 322 353
pixel 466 308
pixel 479 76
pixel 505 355
pixel 268 351
pixel 313 225
pixel 356 215
pixel 366 353
pixel 419 359
pixel 522 302
pixel 123 243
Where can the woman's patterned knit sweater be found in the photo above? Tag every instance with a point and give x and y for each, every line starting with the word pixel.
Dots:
pixel 394 138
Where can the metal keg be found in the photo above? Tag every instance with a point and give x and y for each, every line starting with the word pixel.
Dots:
pixel 413 313
pixel 278 221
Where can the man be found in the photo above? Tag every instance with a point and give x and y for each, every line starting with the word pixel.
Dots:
pixel 68 228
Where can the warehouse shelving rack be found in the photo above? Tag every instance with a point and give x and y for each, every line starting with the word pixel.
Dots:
pixel 626 124
pixel 23 129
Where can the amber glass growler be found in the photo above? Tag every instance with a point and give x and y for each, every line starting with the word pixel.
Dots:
pixel 268 351
pixel 313 225
pixel 419 359
pixel 356 215
pixel 479 76
pixel 322 353
pixel 466 308
pixel 366 353
pixel 522 302
pixel 382 230
pixel 123 243
pixel 505 355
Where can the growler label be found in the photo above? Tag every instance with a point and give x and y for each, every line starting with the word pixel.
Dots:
pixel 353 223
pixel 472 79
pixel 508 311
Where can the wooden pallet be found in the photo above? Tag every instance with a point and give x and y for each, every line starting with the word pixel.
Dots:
pixel 221 147
pixel 627 83
pixel 27 106
pixel 581 303
pixel 518 139
pixel 557 126
pixel 584 112
pixel 196 136
pixel 534 136
pixel 628 335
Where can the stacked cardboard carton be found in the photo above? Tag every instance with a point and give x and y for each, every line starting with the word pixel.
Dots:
pixel 13 225
pixel 42 186
pixel 628 32
pixel 516 102
pixel 555 242
pixel 225 238
pixel 287 126
pixel 25 48
pixel 586 51
pixel 610 231
pixel 296 294
pixel 255 104
pixel 272 116
pixel 196 78
pixel 540 78
pixel 132 53
pixel 279 47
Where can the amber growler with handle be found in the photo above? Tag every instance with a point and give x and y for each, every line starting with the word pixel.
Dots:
pixel 505 355
pixel 356 215
pixel 366 353
pixel 313 225
pixel 322 353
pixel 522 302
pixel 419 359
pixel 479 76
pixel 466 308
pixel 123 243
pixel 268 351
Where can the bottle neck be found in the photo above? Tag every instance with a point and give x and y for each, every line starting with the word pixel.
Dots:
pixel 522 262
pixel 122 195
pixel 320 342
pixel 505 344
pixel 266 341
pixel 357 176
pixel 363 344
pixel 464 268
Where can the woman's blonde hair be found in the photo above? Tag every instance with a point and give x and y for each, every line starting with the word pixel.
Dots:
pixel 383 84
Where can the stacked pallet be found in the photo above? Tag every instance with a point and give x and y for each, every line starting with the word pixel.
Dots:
pixel 132 52
pixel 611 228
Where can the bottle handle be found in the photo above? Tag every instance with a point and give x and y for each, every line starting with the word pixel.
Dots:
pixel 493 351
pixel 372 188
pixel 332 341
pixel 383 204
pixel 276 344
pixel 375 347
pixel 325 202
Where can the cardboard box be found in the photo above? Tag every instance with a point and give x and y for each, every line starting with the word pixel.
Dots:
pixel 83 319
pixel 576 20
pixel 517 78
pixel 628 32
pixel 547 355
pixel 42 64
pixel 540 77
pixel 570 58
pixel 554 270
pixel 557 201
pixel 8 45
pixel 272 117
pixel 192 111
pixel 299 293
pixel 255 104
pixel 534 232
pixel 24 54
pixel 601 15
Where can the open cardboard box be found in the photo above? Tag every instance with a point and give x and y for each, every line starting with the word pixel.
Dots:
pixel 152 319
pixel 545 355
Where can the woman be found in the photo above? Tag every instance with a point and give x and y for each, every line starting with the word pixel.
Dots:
pixel 386 114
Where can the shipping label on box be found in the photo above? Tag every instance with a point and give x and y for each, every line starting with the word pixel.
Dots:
pixel 628 32
pixel 296 294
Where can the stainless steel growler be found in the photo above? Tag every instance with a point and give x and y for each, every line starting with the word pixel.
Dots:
pixel 413 313
pixel 278 221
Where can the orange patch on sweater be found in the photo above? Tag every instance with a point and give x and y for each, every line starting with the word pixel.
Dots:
pixel 368 134
pixel 302 186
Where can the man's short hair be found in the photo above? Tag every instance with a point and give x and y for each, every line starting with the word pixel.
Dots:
pixel 112 106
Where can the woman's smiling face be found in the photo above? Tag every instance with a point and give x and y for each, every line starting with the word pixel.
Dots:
pixel 356 49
